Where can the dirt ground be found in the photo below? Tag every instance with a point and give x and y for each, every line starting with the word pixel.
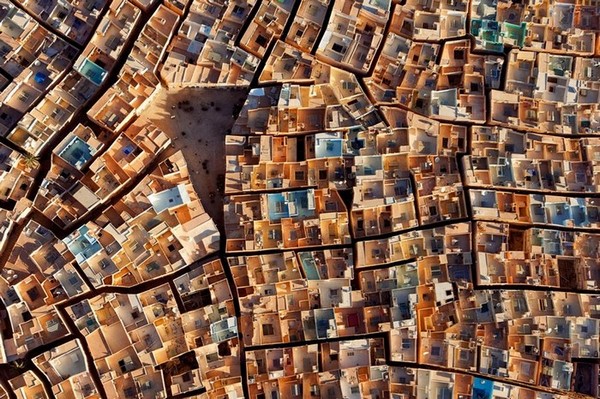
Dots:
pixel 202 118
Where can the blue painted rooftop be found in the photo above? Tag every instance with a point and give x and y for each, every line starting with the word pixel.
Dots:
pixel 77 153
pixel 309 265
pixel 92 71
pixel 169 198
pixel 82 245
pixel 482 388
pixel 323 319
pixel 327 147
pixel 224 329
pixel 291 204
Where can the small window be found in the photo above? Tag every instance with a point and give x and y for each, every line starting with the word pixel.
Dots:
pixel 338 48
pixel 262 41
pixel 454 80
pixel 267 329
pixel 24 97
pixel 279 207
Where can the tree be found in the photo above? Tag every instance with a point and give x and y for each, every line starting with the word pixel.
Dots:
pixel 18 364
pixel 30 161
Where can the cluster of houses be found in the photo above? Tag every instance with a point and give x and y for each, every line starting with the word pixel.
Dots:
pixel 64 89
pixel 409 200
pixel 508 254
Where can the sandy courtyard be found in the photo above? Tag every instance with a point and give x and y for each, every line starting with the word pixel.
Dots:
pixel 202 118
